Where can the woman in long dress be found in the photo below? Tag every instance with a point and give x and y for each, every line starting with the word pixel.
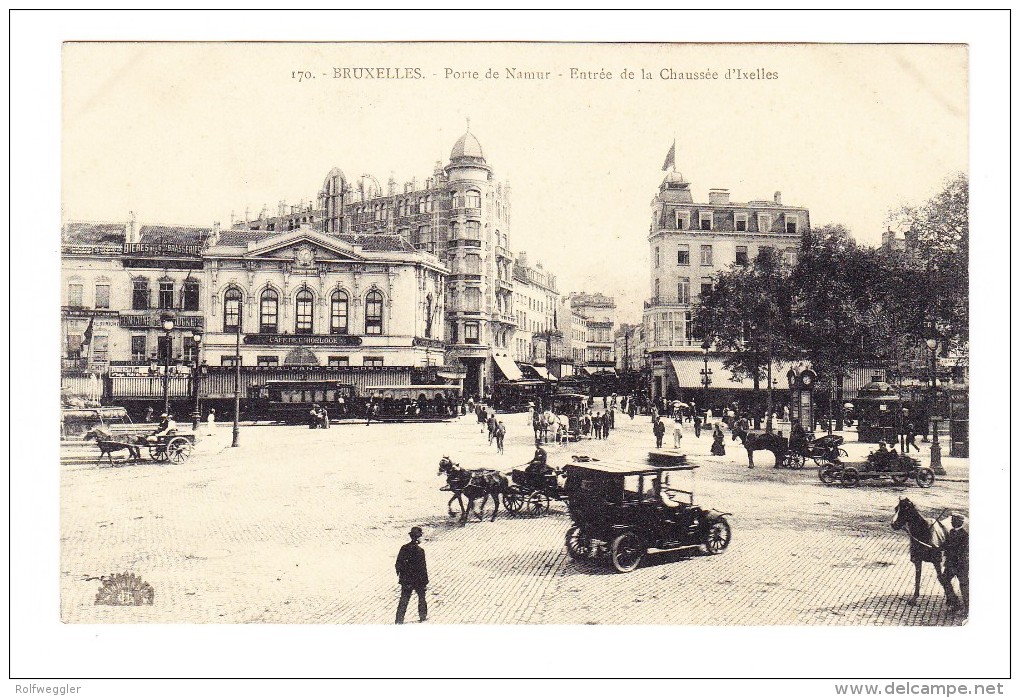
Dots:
pixel 718 445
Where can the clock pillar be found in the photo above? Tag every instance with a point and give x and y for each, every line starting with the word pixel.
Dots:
pixel 802 399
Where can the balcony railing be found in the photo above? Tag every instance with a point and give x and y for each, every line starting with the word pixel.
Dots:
pixel 504 285
pixel 503 252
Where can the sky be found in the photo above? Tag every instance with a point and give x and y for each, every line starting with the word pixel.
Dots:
pixel 191 133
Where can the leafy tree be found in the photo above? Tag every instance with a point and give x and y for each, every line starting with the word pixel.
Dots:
pixel 747 314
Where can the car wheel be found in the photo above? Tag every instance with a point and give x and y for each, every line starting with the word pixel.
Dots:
pixel 827 474
pixel 627 552
pixel 579 546
pixel 925 477
pixel 850 477
pixel 718 536
pixel 513 500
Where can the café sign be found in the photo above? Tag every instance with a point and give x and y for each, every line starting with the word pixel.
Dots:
pixel 317 340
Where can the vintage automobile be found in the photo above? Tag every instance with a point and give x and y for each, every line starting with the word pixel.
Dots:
pixel 631 509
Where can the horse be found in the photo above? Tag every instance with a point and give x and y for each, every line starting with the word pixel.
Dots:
pixel 927 537
pixel 764 441
pixel 108 444
pixel 472 484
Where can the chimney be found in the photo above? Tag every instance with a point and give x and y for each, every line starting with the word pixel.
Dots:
pixel 131 231
pixel 778 198
pixel 719 197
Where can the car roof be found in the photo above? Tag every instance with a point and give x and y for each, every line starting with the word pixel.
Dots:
pixel 618 467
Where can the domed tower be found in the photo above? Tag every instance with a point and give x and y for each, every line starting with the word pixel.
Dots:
pixel 479 313
pixel 331 201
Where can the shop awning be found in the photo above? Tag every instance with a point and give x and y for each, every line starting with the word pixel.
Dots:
pixel 543 373
pixel 687 370
pixel 582 371
pixel 511 371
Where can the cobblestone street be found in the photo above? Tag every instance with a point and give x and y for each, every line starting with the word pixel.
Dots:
pixel 302 526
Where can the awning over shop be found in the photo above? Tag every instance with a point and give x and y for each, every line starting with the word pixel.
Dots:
pixel 543 373
pixel 507 366
pixel 604 372
pixel 582 371
pixel 687 370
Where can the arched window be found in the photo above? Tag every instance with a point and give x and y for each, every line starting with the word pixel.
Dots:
pixel 269 311
pixel 232 310
pixel 303 312
pixel 373 313
pixel 338 313
pixel 473 198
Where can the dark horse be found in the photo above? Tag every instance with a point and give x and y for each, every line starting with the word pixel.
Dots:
pixel 764 441
pixel 108 444
pixel 927 537
pixel 472 484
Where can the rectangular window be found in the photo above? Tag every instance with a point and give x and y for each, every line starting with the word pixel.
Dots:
pixel 790 256
pixel 764 223
pixel 706 287
pixel 339 361
pixel 471 333
pixel 189 295
pixel 375 361
pixel 706 255
pixel 190 351
pixel 683 255
pixel 791 224
pixel 74 295
pixel 683 220
pixel 230 361
pixel 166 295
pixel 140 295
pixel 74 346
pixel 102 295
pixel 164 350
pixel 656 256
pixel 742 255
pixel 683 291
pixel 705 220
pixel 139 349
pixel 740 222
pixel 100 353
pixel 656 296
pixel 267 361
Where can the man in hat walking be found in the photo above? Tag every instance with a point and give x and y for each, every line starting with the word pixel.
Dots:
pixel 957 550
pixel 413 576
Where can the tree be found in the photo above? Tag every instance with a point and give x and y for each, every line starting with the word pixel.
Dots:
pixel 747 315
pixel 837 288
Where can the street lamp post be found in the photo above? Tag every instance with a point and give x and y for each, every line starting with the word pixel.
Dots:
pixel 196 414
pixel 236 434
pixel 168 327
pixel 706 373
pixel 936 447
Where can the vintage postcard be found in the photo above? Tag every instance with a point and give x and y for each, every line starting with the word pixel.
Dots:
pixel 515 334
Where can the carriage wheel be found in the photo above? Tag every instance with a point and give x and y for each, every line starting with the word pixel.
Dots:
pixel 178 450
pixel 717 539
pixel 795 460
pixel 827 473
pixel 842 454
pixel 627 552
pixel 157 452
pixel 538 503
pixel 513 500
pixel 925 477
pixel 899 478
pixel 850 477
pixel 579 546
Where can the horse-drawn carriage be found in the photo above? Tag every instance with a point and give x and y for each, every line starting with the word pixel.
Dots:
pixel 172 447
pixel 823 450
pixel 898 467
pixel 568 408
pixel 533 491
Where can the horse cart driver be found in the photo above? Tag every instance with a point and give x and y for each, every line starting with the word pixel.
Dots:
pixel 166 427
pixel 538 467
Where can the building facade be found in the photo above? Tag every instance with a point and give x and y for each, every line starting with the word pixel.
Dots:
pixel 599 312
pixel 690 243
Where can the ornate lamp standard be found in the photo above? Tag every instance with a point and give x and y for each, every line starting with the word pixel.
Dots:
pixel 168 327
pixel 235 440
pixel 196 414
pixel 706 373
pixel 936 448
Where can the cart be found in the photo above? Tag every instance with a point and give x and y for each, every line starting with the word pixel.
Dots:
pixel 173 448
pixel 533 493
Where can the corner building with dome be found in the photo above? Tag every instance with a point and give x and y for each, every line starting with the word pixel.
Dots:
pixel 460 216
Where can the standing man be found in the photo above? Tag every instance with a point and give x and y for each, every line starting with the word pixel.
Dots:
pixel 500 435
pixel 911 437
pixel 413 576
pixel 957 548
pixel 659 429
pixel 697 425
pixel 210 422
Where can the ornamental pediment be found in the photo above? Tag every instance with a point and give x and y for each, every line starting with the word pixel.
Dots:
pixel 304 249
